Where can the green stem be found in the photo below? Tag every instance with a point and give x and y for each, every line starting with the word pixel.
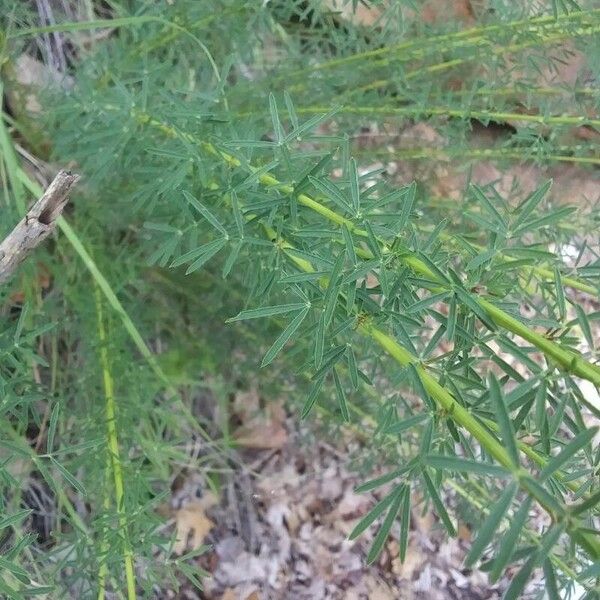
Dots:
pixel 113 452
pixel 434 43
pixel 444 399
pixel 98 277
pixel 451 407
pixel 463 113
pixel 567 359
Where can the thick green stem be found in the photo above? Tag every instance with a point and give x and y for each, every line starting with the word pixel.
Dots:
pixel 456 411
pixel 567 359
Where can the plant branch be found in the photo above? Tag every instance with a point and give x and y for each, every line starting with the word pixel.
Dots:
pixel 36 225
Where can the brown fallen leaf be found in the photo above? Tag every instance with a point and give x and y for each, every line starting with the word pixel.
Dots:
pixel 192 526
pixel 464 533
pixel 264 431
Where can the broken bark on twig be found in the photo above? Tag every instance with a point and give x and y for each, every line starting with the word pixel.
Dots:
pixel 36 225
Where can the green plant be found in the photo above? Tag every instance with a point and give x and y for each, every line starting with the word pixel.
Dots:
pixel 200 151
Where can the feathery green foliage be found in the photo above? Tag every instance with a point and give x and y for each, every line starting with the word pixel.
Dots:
pixel 228 207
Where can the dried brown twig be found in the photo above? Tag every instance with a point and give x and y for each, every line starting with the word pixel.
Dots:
pixel 36 225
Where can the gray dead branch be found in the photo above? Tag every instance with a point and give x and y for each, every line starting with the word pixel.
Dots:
pixel 36 225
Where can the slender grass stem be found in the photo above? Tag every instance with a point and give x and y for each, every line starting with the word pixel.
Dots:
pixel 520 154
pixel 105 544
pixel 447 40
pixel 102 283
pixel 462 113
pixel 113 454
pixel 498 51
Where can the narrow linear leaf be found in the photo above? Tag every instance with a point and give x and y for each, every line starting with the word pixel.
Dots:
pixel 400 426
pixel 560 295
pixel 379 481
pixel 210 250
pixel 198 252
pixel 439 505
pixel 451 322
pixel 519 580
pixel 52 424
pixel 491 524
pixel 487 206
pixel 312 397
pixel 404 524
pixel 506 427
pixel 464 465
pixel 354 189
pixel 287 333
pixel 277 128
pixel 69 478
pixel 585 325
pixel 290 108
pixel 546 221
pixel 331 191
pixel 586 504
pixel 205 213
pixel 14 519
pixel 235 251
pixel 472 304
pixel 557 462
pixel 386 526
pixel 319 340
pixel 352 367
pixel 541 554
pixel 550 581
pixel 544 497
pixel 237 213
pixel 350 251
pixel 508 543
pixel 407 207
pixel 373 514
pixel 530 203
pixel 17 571
pixel 266 311
pixel 310 124
pixel 341 394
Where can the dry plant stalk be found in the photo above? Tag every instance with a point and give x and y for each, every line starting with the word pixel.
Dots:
pixel 36 225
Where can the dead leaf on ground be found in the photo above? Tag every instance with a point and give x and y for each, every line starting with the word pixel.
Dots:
pixel 264 431
pixel 192 526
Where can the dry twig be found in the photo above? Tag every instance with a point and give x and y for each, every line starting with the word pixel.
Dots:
pixel 36 225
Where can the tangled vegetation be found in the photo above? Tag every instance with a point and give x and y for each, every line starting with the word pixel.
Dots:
pixel 226 209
